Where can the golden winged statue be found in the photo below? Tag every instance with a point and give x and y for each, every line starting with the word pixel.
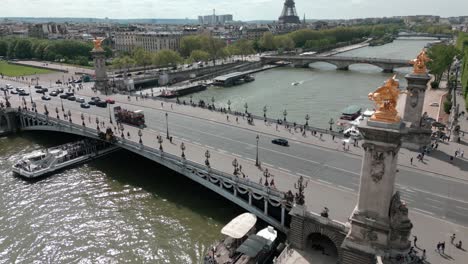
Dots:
pixel 419 64
pixel 385 98
pixel 97 43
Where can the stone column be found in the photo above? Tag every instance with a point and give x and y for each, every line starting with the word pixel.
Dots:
pixel 419 133
pixel 100 69
pixel 374 227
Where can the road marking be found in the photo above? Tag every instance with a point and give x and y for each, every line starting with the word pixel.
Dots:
pixel 250 159
pixel 340 169
pixel 184 139
pixel 441 196
pixel 322 181
pixel 196 143
pixel 268 164
pixel 237 155
pixel 433 200
pixel 221 150
pixel 437 207
pixel 463 208
pixel 354 183
pixel 303 175
pixel 283 169
pixel 422 211
pixel 210 147
pixel 460 213
pixel 346 188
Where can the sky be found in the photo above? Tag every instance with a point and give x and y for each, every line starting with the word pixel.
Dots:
pixel 241 9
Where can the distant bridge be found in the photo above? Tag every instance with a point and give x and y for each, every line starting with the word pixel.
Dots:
pixel 341 63
pixel 425 35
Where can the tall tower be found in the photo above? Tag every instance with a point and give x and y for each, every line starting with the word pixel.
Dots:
pixel 289 14
pixel 379 224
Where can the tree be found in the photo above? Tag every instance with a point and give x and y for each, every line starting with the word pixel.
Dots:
pixel 441 58
pixel 199 55
pixel 3 48
pixel 267 41
pixel 166 57
pixel 189 44
pixel 284 42
pixel 142 57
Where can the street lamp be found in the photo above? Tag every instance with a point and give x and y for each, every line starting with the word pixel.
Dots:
pixel 82 120
pixel 212 101
pixel 30 95
pixel 122 130
pixel 61 101
pixel 229 105
pixel 46 112
pixel 246 107
pixel 307 117
pixel 256 160
pixel 267 175
pixel 264 112
pixel 69 116
pixel 285 113
pixel 57 111
pixel 110 116
pixel 34 106
pixel 331 123
pixel 182 147
pixel 207 156
pixel 167 126
pixel 235 164
pixel 191 99
pixel 97 123
pixel 140 134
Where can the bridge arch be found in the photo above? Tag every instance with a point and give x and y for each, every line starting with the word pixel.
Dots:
pixel 320 245
pixel 310 64
pixel 3 123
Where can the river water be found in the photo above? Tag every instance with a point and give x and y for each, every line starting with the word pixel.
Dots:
pixel 126 209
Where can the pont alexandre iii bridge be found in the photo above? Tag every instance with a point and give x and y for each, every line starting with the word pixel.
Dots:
pixel 341 63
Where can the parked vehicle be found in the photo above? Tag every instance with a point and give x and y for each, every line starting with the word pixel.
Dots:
pixel 92 102
pixel 53 93
pixel 280 141
pixel 23 93
pixel 64 96
pixel 71 98
pixel 45 97
pixel 13 92
pixel 110 101
pixel 84 105
pixel 40 91
pixel 101 104
pixel 80 100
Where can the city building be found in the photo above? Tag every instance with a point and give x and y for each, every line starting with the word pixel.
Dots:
pixel 47 30
pixel 215 19
pixel 150 41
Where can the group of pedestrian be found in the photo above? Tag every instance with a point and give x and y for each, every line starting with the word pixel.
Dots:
pixel 459 153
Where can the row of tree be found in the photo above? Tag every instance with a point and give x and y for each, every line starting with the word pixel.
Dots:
pixel 441 56
pixel 71 51
pixel 462 45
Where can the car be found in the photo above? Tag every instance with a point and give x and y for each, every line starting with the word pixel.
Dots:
pixel 71 98
pixel 129 74
pixel 9 86
pixel 139 73
pixel 80 100
pixel 77 81
pixel 38 86
pixel 58 82
pixel 70 93
pixel 53 93
pixel 119 76
pixel 110 101
pixel 101 104
pixel 45 97
pixel 64 96
pixel 45 89
pixel 40 91
pixel 434 104
pixel 84 105
pixel 13 92
pixel 280 141
pixel 60 90
pixel 95 99
pixel 92 102
pixel 23 93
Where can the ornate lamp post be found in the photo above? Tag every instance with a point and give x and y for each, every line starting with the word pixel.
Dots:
pixel 229 105
pixel 182 147
pixel 46 112
pixel 61 102
pixel 97 123
pixel 235 164
pixel 256 159
pixel 34 106
pixel 264 112
pixel 57 111
pixel 191 99
pixel 307 117
pixel 30 95
pixel 212 101
pixel 300 187
pixel 267 175
pixel 167 126
pixel 207 156
pixel 122 130
pixel 331 123
pixel 246 107
pixel 110 116
pixel 69 116
pixel 285 113
pixel 160 141
pixel 82 120
pixel 140 134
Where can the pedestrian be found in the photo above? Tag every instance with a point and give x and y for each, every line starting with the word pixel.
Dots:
pixel 237 120
pixel 227 118
pixel 442 246
pixel 415 239
pixel 320 135
pixel 333 137
pixel 171 107
pixel 272 183
pixel 411 160
pixel 436 145
pixel 438 247
pixel 162 104
pixel 452 238
pixel 240 167
pixel 462 153
pixel 423 256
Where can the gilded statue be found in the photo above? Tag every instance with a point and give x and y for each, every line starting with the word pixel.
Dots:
pixel 419 64
pixel 385 98
pixel 97 43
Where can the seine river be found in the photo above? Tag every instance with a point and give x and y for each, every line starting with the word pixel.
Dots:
pixel 126 209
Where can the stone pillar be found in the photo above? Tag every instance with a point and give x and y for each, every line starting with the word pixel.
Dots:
pixel 375 223
pixel 419 133
pixel 101 83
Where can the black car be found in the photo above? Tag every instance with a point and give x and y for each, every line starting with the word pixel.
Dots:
pixel 69 93
pixel 92 102
pixel 53 93
pixel 45 97
pixel 13 92
pixel 101 103
pixel 60 90
pixel 95 99
pixel 45 89
pixel 23 93
pixel 71 98
pixel 64 96
pixel 84 105
pixel 280 141
pixel 38 87
pixel 40 91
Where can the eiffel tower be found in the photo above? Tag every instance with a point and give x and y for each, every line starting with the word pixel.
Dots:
pixel 289 15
